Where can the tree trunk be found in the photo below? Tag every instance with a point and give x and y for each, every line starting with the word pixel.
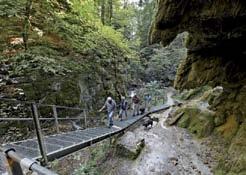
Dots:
pixel 26 24
pixel 103 11
pixel 110 3
pixel 125 4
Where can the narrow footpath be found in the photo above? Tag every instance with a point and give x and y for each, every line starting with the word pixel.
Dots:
pixel 168 150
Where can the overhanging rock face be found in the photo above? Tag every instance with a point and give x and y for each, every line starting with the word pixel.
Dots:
pixel 216 56
pixel 216 42
pixel 216 45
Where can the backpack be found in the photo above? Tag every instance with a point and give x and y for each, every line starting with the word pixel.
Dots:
pixel 136 100
pixel 124 105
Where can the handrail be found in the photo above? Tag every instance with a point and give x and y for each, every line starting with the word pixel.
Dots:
pixel 39 104
pixel 30 119
pixel 16 162
pixel 36 120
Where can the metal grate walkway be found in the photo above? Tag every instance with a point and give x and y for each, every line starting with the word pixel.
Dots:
pixel 65 143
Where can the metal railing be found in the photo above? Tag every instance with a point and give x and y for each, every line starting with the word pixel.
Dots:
pixel 36 120
pixel 17 165
pixel 15 159
pixel 54 110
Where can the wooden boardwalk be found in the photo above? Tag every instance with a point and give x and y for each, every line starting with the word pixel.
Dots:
pixel 62 144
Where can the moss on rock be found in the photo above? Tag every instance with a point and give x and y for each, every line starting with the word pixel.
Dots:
pixel 234 163
pixel 229 128
pixel 194 93
pixel 129 146
pixel 199 122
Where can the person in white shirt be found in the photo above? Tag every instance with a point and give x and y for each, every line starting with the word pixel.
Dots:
pixel 111 106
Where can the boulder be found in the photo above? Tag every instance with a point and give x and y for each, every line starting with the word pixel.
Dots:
pixel 130 146
pixel 171 120
pixel 197 120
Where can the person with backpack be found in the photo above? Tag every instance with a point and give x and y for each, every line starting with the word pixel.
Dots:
pixel 147 100
pixel 123 108
pixel 111 106
pixel 135 105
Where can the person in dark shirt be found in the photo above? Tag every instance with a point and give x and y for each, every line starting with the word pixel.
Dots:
pixel 123 108
pixel 135 105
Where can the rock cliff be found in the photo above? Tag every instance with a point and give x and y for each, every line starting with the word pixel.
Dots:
pixel 216 56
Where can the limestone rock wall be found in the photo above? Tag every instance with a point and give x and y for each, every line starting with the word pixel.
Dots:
pixel 216 46
pixel 216 57
pixel 217 33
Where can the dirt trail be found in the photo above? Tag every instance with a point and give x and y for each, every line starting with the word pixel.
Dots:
pixel 168 150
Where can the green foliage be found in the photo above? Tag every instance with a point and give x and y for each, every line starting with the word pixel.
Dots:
pixel 85 9
pixel 25 64
pixel 156 91
pixel 159 63
pixel 12 8
pixel 107 37
pixel 146 14
pixel 98 154
pixel 71 29
pixel 73 44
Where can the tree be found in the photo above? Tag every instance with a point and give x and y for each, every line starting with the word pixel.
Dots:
pixel 26 24
pixel 110 11
pixel 145 18
pixel 103 11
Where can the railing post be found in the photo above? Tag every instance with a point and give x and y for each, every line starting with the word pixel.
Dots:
pixel 85 118
pixel 56 118
pixel 39 133
pixel 18 165
pixel 13 168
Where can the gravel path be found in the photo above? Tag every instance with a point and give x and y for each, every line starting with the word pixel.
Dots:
pixel 168 150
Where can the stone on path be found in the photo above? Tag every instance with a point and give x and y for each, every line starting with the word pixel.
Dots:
pixel 129 146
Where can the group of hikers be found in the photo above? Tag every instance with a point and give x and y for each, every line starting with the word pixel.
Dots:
pixel 111 106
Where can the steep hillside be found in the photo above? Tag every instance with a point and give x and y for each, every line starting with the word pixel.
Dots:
pixel 55 50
